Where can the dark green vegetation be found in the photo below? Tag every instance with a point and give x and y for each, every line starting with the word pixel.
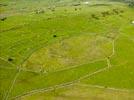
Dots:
pixel 66 50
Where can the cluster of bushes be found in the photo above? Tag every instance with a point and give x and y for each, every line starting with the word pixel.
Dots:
pixel 94 16
pixel 107 13
pixel 77 9
pixel 77 4
pixel 3 19
pixel 39 11
pixel 52 9
pixel 1 5
pixel 117 11
pixel 130 3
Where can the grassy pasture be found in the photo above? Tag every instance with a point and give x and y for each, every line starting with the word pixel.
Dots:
pixel 122 70
pixel 53 44
pixel 39 81
pixel 80 91
pixel 71 55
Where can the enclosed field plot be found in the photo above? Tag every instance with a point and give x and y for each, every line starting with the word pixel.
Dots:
pixel 66 50
pixel 80 91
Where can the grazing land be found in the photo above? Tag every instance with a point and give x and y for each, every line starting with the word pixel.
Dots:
pixel 66 50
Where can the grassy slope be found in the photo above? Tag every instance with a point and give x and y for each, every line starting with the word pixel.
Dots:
pixel 24 33
pixel 79 92
pixel 6 77
pixel 30 81
pixel 119 76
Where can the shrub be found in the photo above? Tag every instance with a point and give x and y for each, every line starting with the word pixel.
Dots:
pixel 2 19
pixel 10 59
pixel 94 16
pixel 54 35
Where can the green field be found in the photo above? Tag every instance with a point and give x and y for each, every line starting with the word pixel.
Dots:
pixel 66 50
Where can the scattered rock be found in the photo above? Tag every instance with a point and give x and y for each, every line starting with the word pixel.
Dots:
pixel 86 2
pixel 39 11
pixel 132 22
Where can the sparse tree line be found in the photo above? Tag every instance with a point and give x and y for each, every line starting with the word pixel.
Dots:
pixel 107 13
pixel 130 3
